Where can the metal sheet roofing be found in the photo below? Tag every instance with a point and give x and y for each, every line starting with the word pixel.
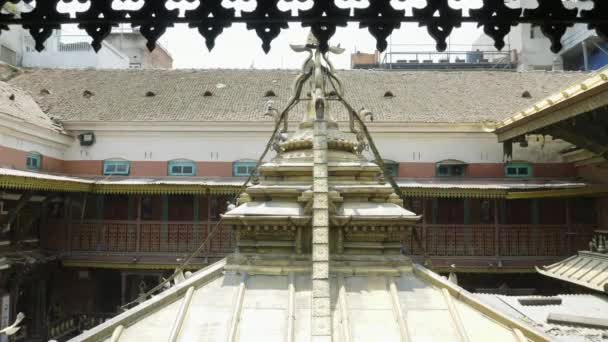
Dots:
pixel 219 305
pixel 536 315
pixel 239 95
pixel 588 269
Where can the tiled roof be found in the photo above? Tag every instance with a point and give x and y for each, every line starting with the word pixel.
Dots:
pixel 16 104
pixel 588 269
pixel 239 95
pixel 571 94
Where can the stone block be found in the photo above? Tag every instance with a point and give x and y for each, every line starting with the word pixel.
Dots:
pixel 320 326
pixel 321 307
pixel 320 252
pixel 320 127
pixel 320 270
pixel 320 141
pixel 320 156
pixel 320 218
pixel 320 202
pixel 320 288
pixel 320 235
pixel 319 172
pixel 320 183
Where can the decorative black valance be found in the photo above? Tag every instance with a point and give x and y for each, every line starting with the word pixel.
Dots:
pixel 211 17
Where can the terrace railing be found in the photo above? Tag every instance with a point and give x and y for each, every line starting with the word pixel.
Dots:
pixel 488 240
pixel 441 240
pixel 132 237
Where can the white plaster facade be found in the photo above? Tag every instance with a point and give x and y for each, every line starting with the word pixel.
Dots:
pixel 26 137
pixel 530 47
pixel 403 142
pixel 79 55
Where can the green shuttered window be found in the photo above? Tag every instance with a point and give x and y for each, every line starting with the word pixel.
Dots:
pixel 518 170
pixel 181 168
pixel 116 167
pixel 33 161
pixel 243 168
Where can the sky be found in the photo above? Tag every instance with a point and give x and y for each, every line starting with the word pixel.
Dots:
pixel 240 48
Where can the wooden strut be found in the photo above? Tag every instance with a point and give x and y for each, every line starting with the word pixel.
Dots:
pixel 12 216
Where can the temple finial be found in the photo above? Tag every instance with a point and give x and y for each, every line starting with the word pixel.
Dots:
pixel 312 43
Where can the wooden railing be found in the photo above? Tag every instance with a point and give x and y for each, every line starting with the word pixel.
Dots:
pixel 498 240
pixel 156 237
pixel 136 237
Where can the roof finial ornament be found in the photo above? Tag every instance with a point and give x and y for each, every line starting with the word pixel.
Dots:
pixel 313 44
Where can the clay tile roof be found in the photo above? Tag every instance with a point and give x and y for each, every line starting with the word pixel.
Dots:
pixel 18 105
pixel 238 95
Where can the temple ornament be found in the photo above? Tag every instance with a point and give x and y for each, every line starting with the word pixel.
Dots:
pixel 270 17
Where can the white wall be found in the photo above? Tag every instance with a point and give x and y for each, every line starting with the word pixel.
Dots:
pixel 13 39
pixel 51 57
pixel 163 146
pixel 229 146
pixel 22 142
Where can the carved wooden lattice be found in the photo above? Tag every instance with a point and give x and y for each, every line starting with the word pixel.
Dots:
pixel 269 17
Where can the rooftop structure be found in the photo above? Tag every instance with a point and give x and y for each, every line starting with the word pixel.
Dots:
pixel 586 268
pixel 318 252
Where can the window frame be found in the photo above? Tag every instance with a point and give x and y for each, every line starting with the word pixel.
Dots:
pixel 240 163
pixel 518 166
pixel 392 167
pixel 33 156
pixel 116 163
pixel 182 164
pixel 450 164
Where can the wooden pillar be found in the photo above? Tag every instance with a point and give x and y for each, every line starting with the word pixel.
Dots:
pixel 497 210
pixel 569 229
pixel 208 229
pixel 67 217
pixel 424 223
pixel 164 227
pixel 196 218
pixel 99 216
pixel 536 242
pixel 468 234
pixel 435 204
pixel 138 224
pixel 123 288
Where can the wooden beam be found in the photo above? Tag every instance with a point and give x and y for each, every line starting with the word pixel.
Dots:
pixel 37 214
pixel 12 216
pixel 583 321
pixel 579 137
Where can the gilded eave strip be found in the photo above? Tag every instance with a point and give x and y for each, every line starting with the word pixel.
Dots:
pixel 574 100
pixel 454 193
pixel 31 183
pixel 42 184
pixel 592 190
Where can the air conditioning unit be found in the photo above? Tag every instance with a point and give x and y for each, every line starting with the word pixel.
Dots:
pixel 86 139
